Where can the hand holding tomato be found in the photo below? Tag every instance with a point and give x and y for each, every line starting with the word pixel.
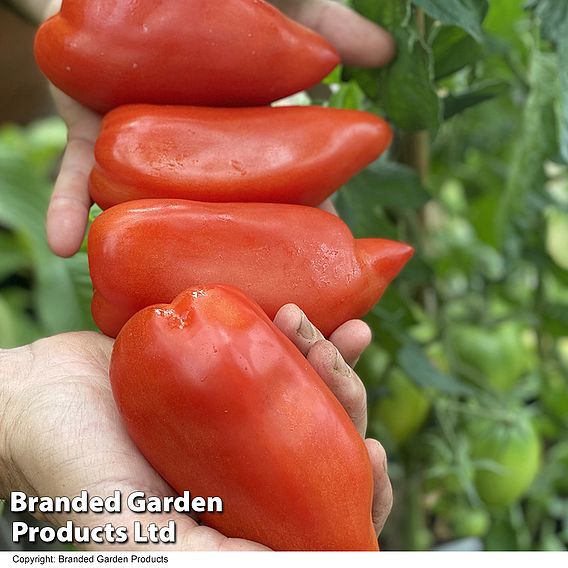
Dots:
pixel 63 432
pixel 358 41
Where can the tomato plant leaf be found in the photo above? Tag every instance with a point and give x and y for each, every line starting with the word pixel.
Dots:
pixel 453 49
pixel 536 144
pixel 553 16
pixel 350 96
pixel 406 90
pixel 414 362
pixel 454 104
pixel 24 162
pixel 467 14
pixel 383 184
pixel 555 319
pixel 562 106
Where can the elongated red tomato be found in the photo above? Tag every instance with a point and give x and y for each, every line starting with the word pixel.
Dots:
pixel 271 155
pixel 148 251
pixel 221 403
pixel 195 52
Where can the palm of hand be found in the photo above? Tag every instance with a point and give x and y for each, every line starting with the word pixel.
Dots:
pixel 74 439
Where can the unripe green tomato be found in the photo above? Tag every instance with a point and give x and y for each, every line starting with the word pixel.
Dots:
pixel 515 449
pixel 371 366
pixel 465 521
pixel 496 357
pixel 403 410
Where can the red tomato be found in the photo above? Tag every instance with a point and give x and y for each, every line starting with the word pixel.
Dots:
pixel 221 403
pixel 271 155
pixel 195 52
pixel 148 251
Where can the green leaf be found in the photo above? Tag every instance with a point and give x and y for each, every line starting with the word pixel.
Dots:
pixel 16 327
pixel 562 103
pixel 363 219
pixel 553 15
pixel 388 14
pixel 467 14
pixel 12 258
pixel 383 184
pixel 418 367
pixel 349 95
pixel 555 319
pixel 24 196
pixel 406 90
pixel 78 268
pixel 453 50
pixel 502 20
pixel 455 104
pixel 536 144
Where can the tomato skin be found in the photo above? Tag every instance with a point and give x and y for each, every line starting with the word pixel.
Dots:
pixel 268 155
pixel 221 403
pixel 516 450
pixel 147 252
pixel 233 53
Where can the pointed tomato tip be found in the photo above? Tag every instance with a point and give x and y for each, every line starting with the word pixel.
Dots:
pixel 333 58
pixel 387 258
pixel 382 133
pixel 328 59
pixel 327 56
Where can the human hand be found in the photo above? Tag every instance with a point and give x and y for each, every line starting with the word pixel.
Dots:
pixel 62 432
pixel 358 41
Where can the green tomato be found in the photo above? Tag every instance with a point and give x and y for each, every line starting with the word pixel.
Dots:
pixel 496 358
pixel 465 521
pixel 371 366
pixel 514 448
pixel 402 410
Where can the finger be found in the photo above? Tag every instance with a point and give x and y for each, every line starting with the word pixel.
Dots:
pixel 69 206
pixel 382 496
pixel 351 339
pixel 295 325
pixel 342 381
pixel 358 41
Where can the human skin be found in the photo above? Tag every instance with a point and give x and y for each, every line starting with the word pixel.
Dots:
pixel 61 432
pixel 357 40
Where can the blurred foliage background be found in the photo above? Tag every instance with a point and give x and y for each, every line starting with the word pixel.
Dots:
pixel 468 372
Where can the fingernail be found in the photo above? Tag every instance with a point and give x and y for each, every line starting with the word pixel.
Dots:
pixel 385 465
pixel 306 329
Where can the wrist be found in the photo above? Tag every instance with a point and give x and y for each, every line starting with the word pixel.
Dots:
pixel 14 366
